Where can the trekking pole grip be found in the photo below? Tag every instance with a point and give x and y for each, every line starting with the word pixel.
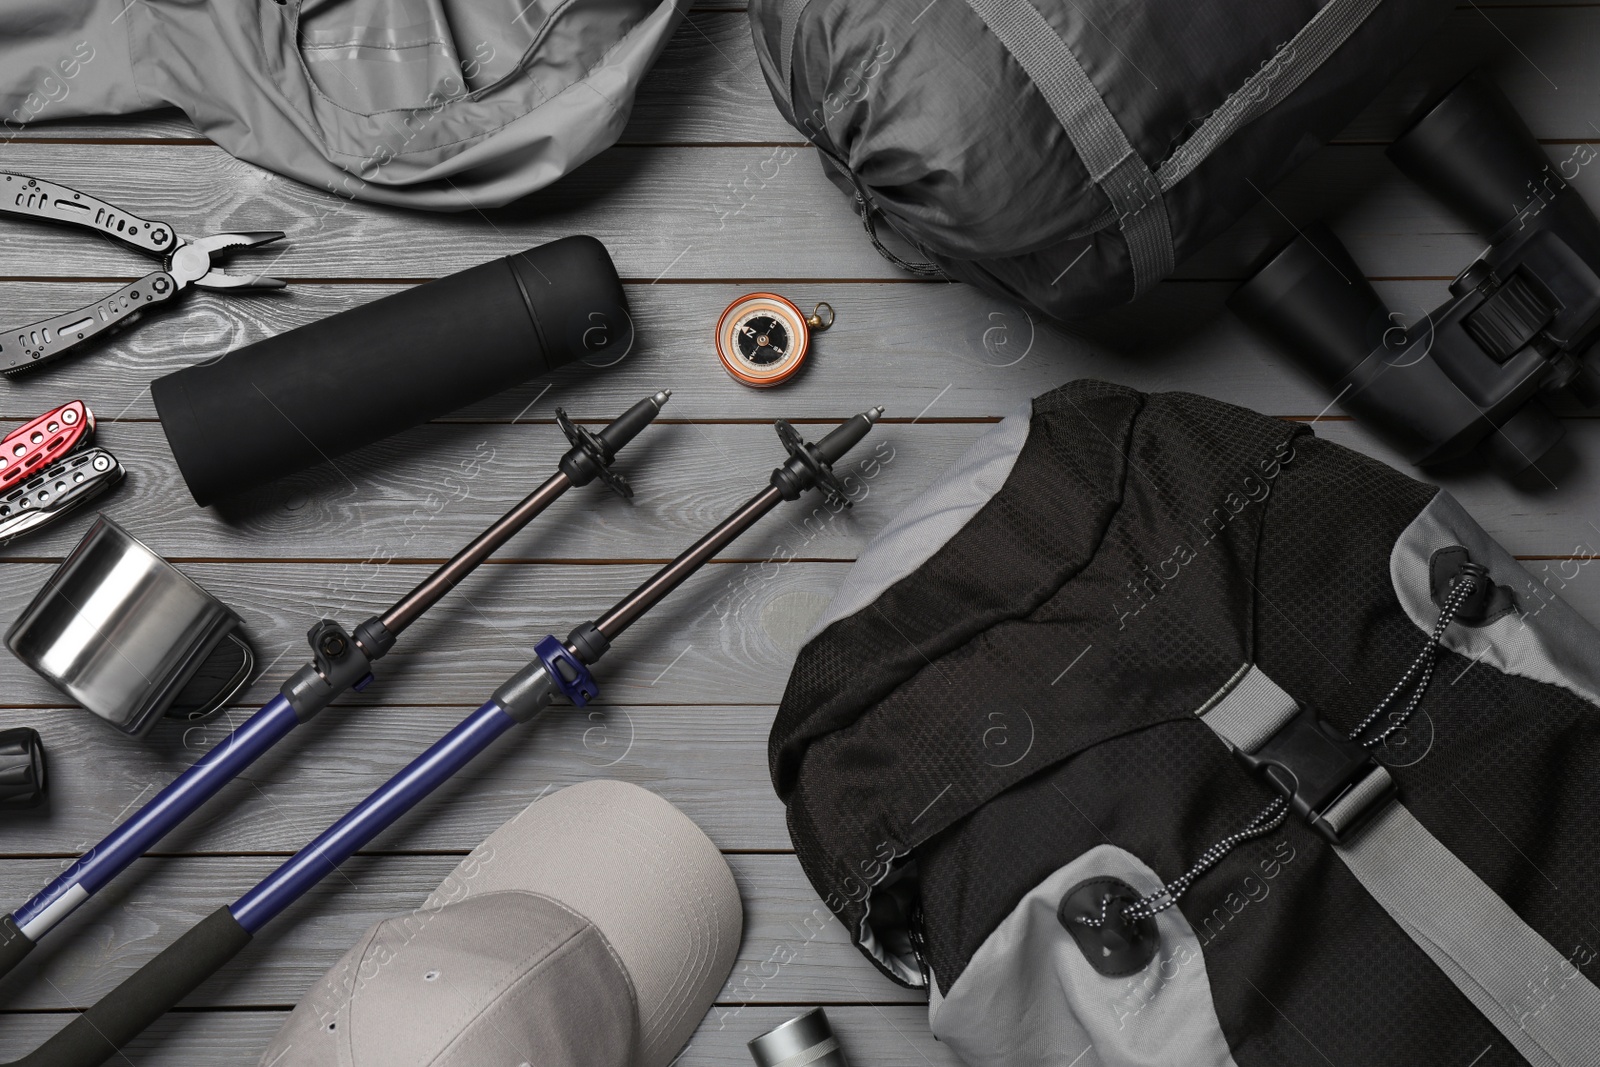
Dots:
pixel 144 996
pixel 14 945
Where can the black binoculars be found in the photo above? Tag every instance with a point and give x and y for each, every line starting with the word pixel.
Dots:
pixel 1519 320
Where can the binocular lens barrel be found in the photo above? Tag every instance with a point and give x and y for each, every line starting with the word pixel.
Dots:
pixel 1313 300
pixel 1473 151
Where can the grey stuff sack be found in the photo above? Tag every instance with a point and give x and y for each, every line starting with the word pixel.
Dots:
pixel 1068 154
pixel 440 104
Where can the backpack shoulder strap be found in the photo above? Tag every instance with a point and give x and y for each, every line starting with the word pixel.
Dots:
pixel 1474 936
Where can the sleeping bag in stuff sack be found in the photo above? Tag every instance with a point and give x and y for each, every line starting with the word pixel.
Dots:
pixel 1160 733
pixel 440 104
pixel 1069 153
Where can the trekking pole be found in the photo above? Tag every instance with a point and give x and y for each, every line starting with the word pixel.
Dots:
pixel 559 667
pixel 340 660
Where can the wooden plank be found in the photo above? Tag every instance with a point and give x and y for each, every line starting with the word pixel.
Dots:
pixel 709 761
pixel 727 637
pixel 930 352
pixel 793 949
pixel 675 212
pixel 409 497
pixel 667 213
pixel 888 1036
pixel 423 495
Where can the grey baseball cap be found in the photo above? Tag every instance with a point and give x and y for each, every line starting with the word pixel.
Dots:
pixel 592 930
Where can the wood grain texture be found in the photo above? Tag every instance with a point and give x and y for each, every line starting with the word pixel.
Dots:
pixel 793 950
pixel 891 1035
pixel 727 637
pixel 423 495
pixel 669 213
pixel 928 352
pixel 709 761
pixel 705 199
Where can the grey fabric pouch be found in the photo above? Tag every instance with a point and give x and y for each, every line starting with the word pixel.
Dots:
pixel 1069 153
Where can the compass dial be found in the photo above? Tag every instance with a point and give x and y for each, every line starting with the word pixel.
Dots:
pixel 762 339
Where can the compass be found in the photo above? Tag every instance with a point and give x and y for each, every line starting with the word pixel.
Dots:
pixel 763 339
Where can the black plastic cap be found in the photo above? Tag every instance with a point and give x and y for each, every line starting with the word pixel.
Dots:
pixel 625 427
pixel 22 770
pixel 849 434
pixel 576 300
pixel 591 454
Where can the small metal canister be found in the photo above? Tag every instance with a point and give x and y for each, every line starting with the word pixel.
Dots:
pixel 804 1040
pixel 122 631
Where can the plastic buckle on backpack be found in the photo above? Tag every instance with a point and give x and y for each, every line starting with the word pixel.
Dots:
pixel 1316 766
pixel 570 673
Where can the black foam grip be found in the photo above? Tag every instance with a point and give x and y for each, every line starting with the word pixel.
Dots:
pixel 309 395
pixel 14 945
pixel 143 997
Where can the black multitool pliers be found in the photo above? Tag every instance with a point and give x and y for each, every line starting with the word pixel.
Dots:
pixel 185 262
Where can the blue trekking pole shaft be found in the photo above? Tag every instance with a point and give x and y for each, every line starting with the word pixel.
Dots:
pixel 559 667
pixel 341 661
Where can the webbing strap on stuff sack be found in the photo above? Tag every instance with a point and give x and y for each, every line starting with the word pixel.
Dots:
pixel 1116 169
pixel 1480 943
pixel 1119 172
pixel 1270 85
pixel 788 18
pixel 1135 193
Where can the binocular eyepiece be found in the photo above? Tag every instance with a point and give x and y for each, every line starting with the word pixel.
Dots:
pixel 1468 376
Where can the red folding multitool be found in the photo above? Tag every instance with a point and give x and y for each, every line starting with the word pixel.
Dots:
pixel 186 261
pixel 49 468
pixel 44 440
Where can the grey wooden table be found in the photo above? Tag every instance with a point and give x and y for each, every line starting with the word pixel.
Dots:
pixel 708 196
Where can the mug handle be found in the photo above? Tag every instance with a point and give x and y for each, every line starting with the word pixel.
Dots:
pixel 235 686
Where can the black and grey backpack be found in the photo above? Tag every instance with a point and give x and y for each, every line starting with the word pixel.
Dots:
pixel 1068 153
pixel 1160 733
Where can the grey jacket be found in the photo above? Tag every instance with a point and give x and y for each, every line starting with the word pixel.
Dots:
pixel 441 104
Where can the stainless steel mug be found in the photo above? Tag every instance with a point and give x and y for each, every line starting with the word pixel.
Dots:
pixel 122 631
pixel 804 1041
